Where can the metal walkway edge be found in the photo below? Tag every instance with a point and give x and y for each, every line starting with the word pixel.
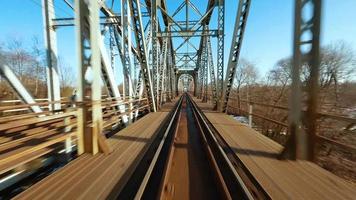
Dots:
pixel 100 176
pixel 255 155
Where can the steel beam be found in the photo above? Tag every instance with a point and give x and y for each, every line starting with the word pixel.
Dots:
pixel 220 51
pixel 155 55
pixel 126 47
pixel 142 50
pixel 53 83
pixel 305 53
pixel 88 36
pixel 237 38
pixel 205 74
pixel 108 77
pixel 20 90
pixel 212 72
pixel 188 33
pixel 162 72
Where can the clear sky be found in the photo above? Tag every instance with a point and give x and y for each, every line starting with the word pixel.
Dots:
pixel 268 35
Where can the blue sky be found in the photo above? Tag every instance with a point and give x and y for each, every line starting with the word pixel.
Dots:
pixel 268 35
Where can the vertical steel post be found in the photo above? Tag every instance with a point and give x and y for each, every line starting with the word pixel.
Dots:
pixel 158 69
pixel 155 55
pixel 250 115
pixel 220 49
pixel 306 53
pixel 68 141
pixel 205 67
pixel 88 36
pixel 53 83
pixel 95 62
pixel 126 47
pixel 186 14
pixel 162 72
pixel 212 71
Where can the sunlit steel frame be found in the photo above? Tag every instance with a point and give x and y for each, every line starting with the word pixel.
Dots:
pixel 142 51
pixel 306 54
pixel 53 83
pixel 220 50
pixel 239 31
pixel 88 34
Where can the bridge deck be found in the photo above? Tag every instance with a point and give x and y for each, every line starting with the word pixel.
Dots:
pixel 168 106
pixel 95 177
pixel 23 140
pixel 204 106
pixel 280 179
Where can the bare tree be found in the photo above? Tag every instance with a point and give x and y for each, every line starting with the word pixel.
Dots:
pixel 67 77
pixel 278 79
pixel 27 64
pixel 246 74
pixel 337 65
pixel 17 56
pixel 40 72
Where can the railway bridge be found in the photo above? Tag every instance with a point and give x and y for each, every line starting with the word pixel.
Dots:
pixel 167 131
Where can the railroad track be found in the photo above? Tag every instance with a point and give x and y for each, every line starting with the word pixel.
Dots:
pixel 187 163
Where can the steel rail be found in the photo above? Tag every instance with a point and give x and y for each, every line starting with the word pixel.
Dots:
pixel 171 125
pixel 213 162
pixel 151 181
pixel 204 122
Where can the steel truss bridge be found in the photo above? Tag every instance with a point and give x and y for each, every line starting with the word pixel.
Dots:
pixel 133 143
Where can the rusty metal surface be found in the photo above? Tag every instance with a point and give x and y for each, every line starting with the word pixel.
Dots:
pixel 188 175
pixel 280 179
pixel 81 177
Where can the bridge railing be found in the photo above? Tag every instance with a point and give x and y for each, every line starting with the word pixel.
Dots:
pixel 25 136
pixel 251 110
pixel 335 145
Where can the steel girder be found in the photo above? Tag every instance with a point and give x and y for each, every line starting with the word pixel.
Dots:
pixel 107 72
pixel 16 84
pixel 115 20
pixel 126 47
pixel 53 84
pixel 162 71
pixel 212 72
pixel 184 33
pixel 220 49
pixel 142 51
pixel 88 34
pixel 197 92
pixel 305 52
pixel 170 70
pixel 239 31
pixel 155 55
pixel 112 47
pixel 206 66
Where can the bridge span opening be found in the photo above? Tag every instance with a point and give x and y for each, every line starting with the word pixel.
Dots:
pixel 143 99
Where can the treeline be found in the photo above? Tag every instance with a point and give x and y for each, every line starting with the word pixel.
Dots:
pixel 336 96
pixel 29 64
pixel 337 79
